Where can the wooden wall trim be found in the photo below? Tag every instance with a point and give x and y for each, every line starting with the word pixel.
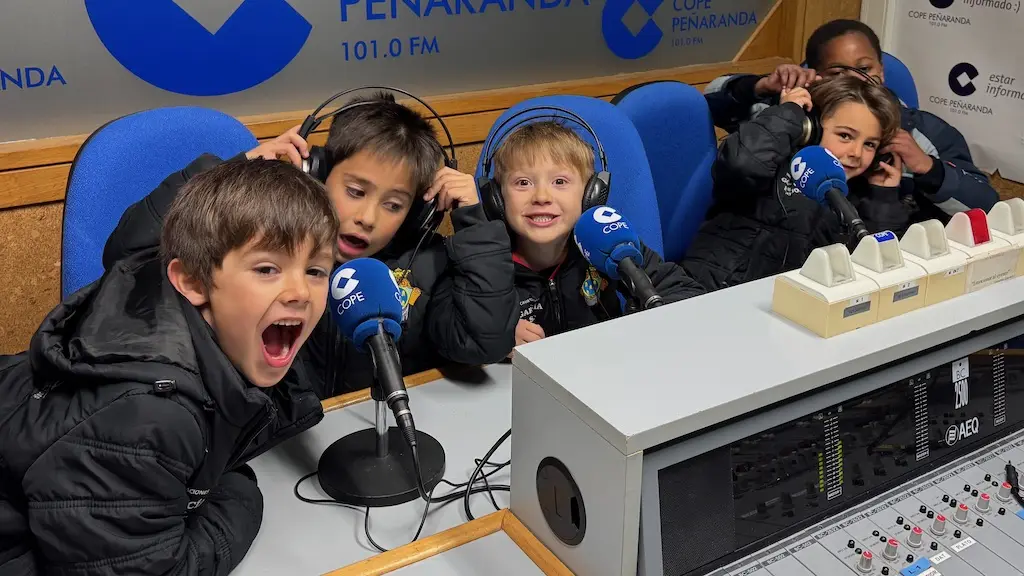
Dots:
pixel 36 171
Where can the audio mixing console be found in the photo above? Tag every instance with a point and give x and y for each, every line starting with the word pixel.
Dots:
pixel 909 480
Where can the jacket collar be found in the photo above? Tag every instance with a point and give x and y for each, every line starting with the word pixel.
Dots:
pixel 133 326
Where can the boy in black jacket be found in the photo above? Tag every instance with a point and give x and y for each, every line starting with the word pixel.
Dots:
pixel 127 424
pixel 760 224
pixel 939 175
pixel 458 292
pixel 541 170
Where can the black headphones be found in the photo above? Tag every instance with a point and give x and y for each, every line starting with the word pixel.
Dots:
pixel 595 193
pixel 813 130
pixel 424 217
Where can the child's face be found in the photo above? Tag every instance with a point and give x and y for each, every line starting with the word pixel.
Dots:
pixel 372 196
pixel 853 50
pixel 542 201
pixel 264 304
pixel 852 134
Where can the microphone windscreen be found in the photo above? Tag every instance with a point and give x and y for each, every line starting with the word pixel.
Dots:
pixel 605 238
pixel 364 294
pixel 815 171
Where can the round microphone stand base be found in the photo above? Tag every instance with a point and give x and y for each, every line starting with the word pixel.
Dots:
pixel 351 472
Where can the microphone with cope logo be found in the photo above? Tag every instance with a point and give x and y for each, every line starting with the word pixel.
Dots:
pixel 609 243
pixel 819 175
pixel 366 305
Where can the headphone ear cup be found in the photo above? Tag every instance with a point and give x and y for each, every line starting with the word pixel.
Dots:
pixel 490 197
pixel 597 190
pixel 319 164
pixel 812 128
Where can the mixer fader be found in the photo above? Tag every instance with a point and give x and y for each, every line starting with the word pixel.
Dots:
pixel 960 520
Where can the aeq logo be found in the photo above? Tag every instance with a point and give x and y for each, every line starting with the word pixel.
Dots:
pixel 338 291
pixel 164 45
pixel 961 79
pixel 942 4
pixel 606 215
pixel 797 168
pixel 620 38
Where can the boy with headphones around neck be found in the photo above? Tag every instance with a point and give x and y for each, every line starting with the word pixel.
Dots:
pixel 390 182
pixel 543 181
pixel 939 175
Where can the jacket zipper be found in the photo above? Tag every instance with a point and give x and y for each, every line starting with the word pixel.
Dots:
pixel 557 305
pixel 271 414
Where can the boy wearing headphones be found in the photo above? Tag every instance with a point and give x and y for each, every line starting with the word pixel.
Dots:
pixel 390 182
pixel 939 175
pixel 541 173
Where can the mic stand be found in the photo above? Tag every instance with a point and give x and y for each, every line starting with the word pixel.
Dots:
pixel 639 285
pixel 374 467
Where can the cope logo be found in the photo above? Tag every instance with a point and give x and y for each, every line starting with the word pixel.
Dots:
pixel 942 4
pixel 961 79
pixel 339 291
pixel 617 35
pixel 606 215
pixel 797 168
pixel 164 45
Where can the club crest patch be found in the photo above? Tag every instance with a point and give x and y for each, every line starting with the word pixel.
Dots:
pixel 409 292
pixel 592 286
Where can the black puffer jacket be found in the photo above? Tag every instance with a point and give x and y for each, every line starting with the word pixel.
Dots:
pixel 760 224
pixel 460 306
pixel 573 295
pixel 124 431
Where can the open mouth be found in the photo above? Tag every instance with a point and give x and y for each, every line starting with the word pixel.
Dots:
pixel 542 220
pixel 279 342
pixel 351 244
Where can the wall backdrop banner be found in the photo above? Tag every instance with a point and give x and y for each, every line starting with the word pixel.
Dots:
pixel 967 58
pixel 67 67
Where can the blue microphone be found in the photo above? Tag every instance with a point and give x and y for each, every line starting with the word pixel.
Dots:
pixel 819 175
pixel 367 307
pixel 609 243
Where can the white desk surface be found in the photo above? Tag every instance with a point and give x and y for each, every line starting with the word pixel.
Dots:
pixel 494 555
pixel 303 539
pixel 650 377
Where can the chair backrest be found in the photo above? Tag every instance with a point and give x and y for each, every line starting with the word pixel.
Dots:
pixel 124 160
pixel 899 79
pixel 675 125
pixel 632 188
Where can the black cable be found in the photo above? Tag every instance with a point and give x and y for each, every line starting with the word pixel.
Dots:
pixel 479 467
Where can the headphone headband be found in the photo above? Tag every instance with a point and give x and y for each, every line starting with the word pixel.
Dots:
pixel 568 115
pixel 867 77
pixel 311 122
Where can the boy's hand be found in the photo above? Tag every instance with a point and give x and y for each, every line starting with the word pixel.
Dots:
pixel 786 77
pixel 799 96
pixel 289 144
pixel 888 176
pixel 904 146
pixel 453 189
pixel 527 332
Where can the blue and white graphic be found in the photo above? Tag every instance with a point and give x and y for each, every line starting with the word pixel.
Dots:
pixel 162 43
pixel 620 38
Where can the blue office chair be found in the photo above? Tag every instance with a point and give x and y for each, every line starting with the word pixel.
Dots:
pixel 632 188
pixel 124 160
pixel 675 125
pixel 899 79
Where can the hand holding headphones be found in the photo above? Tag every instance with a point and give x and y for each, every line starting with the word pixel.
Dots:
pixel 452 189
pixel 289 145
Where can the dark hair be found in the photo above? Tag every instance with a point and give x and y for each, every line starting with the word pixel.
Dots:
pixel 830 31
pixel 829 93
pixel 243 200
pixel 388 129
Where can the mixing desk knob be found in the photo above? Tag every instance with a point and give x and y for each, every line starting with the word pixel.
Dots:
pixel 939 525
pixel 961 513
pixel 914 539
pixel 1004 492
pixel 864 565
pixel 891 551
pixel 983 504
